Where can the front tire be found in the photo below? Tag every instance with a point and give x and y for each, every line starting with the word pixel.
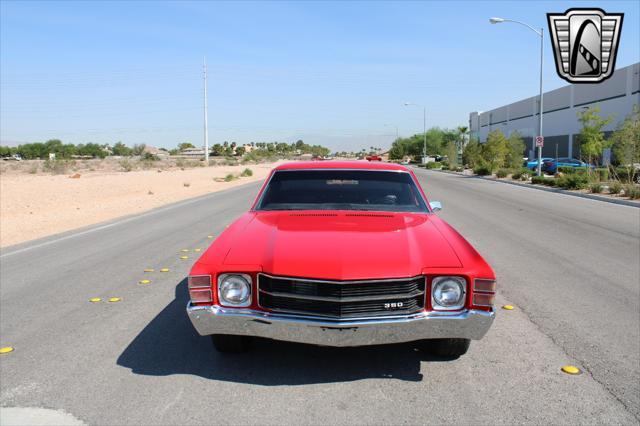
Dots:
pixel 446 348
pixel 227 343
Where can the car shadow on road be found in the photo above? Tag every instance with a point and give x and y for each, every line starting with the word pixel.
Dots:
pixel 170 345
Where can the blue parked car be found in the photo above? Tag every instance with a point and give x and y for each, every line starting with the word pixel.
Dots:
pixel 533 164
pixel 551 166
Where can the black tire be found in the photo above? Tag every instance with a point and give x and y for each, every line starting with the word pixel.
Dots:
pixel 228 343
pixel 446 348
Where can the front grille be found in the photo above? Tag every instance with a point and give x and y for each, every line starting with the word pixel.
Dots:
pixel 341 299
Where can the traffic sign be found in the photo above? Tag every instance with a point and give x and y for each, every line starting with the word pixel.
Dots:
pixel 539 141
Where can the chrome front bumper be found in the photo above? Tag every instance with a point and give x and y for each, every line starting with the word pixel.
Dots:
pixel 470 324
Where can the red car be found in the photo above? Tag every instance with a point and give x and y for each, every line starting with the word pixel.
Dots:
pixel 342 254
pixel 373 158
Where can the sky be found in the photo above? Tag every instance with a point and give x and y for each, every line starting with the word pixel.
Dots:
pixel 332 73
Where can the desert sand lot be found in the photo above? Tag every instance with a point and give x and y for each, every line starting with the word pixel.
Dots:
pixel 38 205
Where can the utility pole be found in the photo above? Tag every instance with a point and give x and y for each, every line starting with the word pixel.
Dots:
pixel 206 126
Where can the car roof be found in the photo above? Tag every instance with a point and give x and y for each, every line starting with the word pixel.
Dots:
pixel 363 165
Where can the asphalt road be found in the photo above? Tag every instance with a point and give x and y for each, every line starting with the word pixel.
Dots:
pixel 569 265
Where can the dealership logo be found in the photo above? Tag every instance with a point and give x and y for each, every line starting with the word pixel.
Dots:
pixel 585 43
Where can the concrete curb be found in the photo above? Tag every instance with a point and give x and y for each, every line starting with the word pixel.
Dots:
pixel 547 189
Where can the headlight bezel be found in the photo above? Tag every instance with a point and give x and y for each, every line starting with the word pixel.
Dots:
pixel 225 302
pixel 438 281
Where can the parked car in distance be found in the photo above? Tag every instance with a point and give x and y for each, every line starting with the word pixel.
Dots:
pixel 14 157
pixel 551 166
pixel 373 157
pixel 533 164
pixel 342 254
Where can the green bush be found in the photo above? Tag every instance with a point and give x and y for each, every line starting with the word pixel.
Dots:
pixel 230 177
pixel 482 170
pixel 246 172
pixel 147 156
pixel 503 173
pixel 567 170
pixel 521 174
pixel 602 174
pixel 434 165
pixel 632 191
pixel 595 188
pixel 615 188
pixel 540 180
pixel 575 181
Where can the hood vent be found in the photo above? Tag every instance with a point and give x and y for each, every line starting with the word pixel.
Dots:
pixel 368 215
pixel 314 214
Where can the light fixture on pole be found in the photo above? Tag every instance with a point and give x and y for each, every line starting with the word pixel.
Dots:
pixel 424 127
pixel 540 34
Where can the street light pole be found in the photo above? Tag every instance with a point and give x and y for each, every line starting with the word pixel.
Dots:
pixel 541 95
pixel 540 33
pixel 206 126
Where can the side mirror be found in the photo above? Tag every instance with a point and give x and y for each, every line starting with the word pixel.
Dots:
pixel 435 205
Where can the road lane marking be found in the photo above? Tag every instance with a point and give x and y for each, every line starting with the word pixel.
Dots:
pixel 570 369
pixel 6 350
pixel 95 299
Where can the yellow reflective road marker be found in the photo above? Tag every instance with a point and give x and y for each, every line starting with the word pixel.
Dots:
pixel 184 257
pixel 149 270
pixel 6 350
pixel 209 236
pixel 508 307
pixel 197 250
pixel 115 299
pixel 185 250
pixel 144 282
pixel 95 300
pixel 164 270
pixel 570 369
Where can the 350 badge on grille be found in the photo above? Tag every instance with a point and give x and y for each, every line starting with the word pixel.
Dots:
pixel 394 305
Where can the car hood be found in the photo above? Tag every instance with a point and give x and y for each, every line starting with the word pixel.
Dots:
pixel 341 246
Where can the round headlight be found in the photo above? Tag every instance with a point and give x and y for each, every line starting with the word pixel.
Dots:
pixel 234 289
pixel 448 292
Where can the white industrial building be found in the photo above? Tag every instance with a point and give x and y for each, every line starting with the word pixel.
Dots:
pixel 615 96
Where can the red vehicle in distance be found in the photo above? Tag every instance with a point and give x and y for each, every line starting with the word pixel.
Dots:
pixel 373 157
pixel 342 254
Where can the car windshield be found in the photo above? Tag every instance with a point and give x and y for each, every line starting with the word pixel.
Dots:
pixel 342 190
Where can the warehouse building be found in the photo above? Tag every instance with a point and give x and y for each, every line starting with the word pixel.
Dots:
pixel 615 96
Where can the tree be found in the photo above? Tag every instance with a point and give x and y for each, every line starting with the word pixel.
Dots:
pixel 138 149
pixel 240 151
pixel 472 153
pixel 5 151
pixel 121 149
pixel 515 151
pixel 452 153
pixel 494 151
pixel 626 141
pixel 217 149
pixel 592 141
pixel 184 145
